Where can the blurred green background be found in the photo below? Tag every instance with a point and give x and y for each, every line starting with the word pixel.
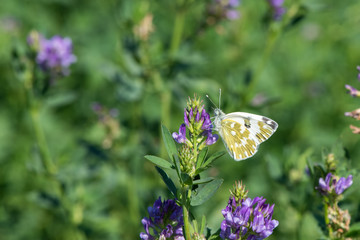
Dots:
pixel 292 71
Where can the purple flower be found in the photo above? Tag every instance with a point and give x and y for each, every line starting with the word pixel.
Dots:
pixel 206 122
pixel 352 91
pixel 211 138
pixel 181 136
pixel 232 14
pixel 165 221
pixel 250 217
pixel 343 184
pixel 277 9
pixel 358 68
pixel 331 185
pixel 198 121
pixel 55 55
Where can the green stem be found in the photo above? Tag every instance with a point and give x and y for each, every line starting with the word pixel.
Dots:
pixel 327 220
pixel 43 149
pixel 40 138
pixel 186 213
pixel 273 36
pixel 177 32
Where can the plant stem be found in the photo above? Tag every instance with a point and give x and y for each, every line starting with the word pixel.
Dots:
pixel 177 32
pixel 273 35
pixel 41 141
pixel 186 206
pixel 327 220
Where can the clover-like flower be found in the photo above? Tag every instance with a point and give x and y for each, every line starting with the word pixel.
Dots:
pixel 247 219
pixel 333 184
pixel 165 221
pixel 194 134
pixel 55 55
pixel 352 91
pixel 198 122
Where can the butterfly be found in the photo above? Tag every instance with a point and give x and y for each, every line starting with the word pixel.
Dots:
pixel 243 132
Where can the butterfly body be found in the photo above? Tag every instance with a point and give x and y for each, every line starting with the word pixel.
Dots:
pixel 243 132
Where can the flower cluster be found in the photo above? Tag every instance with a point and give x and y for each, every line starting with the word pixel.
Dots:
pixel 53 55
pixel 198 122
pixel 352 91
pixel 332 184
pixel 247 219
pixel 356 113
pixel 165 221
pixel 220 9
pixel 277 9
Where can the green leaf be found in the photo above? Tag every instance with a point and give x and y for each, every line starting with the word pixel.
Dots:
pixel 169 183
pixel 215 236
pixel 201 157
pixel 185 178
pixel 203 224
pixel 159 162
pixel 354 231
pixel 203 180
pixel 213 157
pixel 177 166
pixel 169 142
pixel 206 192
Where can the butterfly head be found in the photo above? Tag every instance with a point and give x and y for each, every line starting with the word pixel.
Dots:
pixel 218 117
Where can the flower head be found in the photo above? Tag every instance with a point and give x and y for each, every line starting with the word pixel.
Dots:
pixel 55 55
pixel 165 221
pixel 352 91
pixel 247 219
pixel 198 122
pixel 333 185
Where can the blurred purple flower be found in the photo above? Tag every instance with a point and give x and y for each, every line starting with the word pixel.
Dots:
pixel 277 9
pixel 250 217
pixel 352 91
pixel 165 221
pixel 343 184
pixel 181 136
pixel 358 68
pixel 332 185
pixel 232 14
pixel 55 55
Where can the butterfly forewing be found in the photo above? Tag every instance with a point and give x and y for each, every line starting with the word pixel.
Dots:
pixel 243 132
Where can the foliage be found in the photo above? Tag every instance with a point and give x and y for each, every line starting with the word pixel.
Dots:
pixel 144 58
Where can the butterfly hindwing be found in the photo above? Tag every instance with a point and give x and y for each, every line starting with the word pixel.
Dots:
pixel 243 132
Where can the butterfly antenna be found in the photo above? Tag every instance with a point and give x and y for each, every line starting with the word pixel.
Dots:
pixel 219 97
pixel 211 100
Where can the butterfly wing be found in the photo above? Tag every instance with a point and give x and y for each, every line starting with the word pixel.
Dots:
pixel 243 132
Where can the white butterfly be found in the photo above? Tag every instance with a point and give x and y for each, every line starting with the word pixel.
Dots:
pixel 243 132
